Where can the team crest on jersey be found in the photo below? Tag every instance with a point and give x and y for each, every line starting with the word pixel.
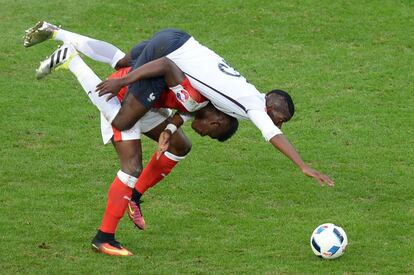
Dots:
pixel 182 95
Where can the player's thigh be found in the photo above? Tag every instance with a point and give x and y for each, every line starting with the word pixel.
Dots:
pixel 130 156
pixel 131 111
pixel 180 145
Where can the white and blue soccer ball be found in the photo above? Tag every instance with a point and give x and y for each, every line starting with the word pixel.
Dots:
pixel 328 241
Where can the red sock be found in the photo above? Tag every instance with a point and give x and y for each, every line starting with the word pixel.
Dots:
pixel 154 172
pixel 118 198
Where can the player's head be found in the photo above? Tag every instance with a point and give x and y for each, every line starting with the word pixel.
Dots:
pixel 279 106
pixel 209 121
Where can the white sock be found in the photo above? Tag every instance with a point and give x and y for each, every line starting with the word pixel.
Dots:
pixel 89 80
pixel 97 50
pixel 126 179
pixel 173 157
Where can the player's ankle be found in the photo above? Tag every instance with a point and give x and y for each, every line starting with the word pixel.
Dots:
pixel 136 196
pixel 104 237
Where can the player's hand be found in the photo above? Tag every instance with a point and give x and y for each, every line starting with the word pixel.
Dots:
pixel 163 142
pixel 321 178
pixel 109 86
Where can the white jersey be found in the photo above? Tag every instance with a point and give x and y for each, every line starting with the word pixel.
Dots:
pixel 226 89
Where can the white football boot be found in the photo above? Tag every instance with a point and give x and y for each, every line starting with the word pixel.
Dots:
pixel 58 60
pixel 38 33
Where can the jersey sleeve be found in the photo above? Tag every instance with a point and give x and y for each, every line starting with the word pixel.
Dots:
pixel 264 123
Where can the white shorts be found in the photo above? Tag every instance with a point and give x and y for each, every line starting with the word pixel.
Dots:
pixel 149 121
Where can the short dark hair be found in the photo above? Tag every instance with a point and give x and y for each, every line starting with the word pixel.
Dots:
pixel 290 107
pixel 234 125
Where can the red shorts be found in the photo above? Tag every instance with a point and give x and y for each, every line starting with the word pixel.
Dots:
pixel 119 74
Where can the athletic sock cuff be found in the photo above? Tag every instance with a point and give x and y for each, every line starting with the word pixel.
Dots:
pixel 126 179
pixel 173 157
pixel 104 237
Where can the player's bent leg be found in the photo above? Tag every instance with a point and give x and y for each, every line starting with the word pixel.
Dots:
pixel 40 32
pixel 119 195
pixel 180 144
pixel 60 58
pixel 131 111
pixel 124 62
pixel 128 59
pixel 130 158
pixel 97 50
pixel 157 169
pixel 67 57
pixel 88 80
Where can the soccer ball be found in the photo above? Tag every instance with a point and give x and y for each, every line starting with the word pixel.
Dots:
pixel 328 241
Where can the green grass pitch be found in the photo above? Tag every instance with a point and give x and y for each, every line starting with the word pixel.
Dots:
pixel 237 207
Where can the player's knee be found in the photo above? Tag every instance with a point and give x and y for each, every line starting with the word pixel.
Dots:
pixel 180 145
pixel 121 124
pixel 124 62
pixel 132 167
pixel 131 111
pixel 186 148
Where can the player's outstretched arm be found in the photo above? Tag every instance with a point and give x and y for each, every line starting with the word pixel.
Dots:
pixel 283 145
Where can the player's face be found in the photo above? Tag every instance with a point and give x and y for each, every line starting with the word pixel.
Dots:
pixel 277 118
pixel 206 127
pixel 208 121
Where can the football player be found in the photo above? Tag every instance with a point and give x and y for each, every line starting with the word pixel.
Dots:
pixel 207 121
